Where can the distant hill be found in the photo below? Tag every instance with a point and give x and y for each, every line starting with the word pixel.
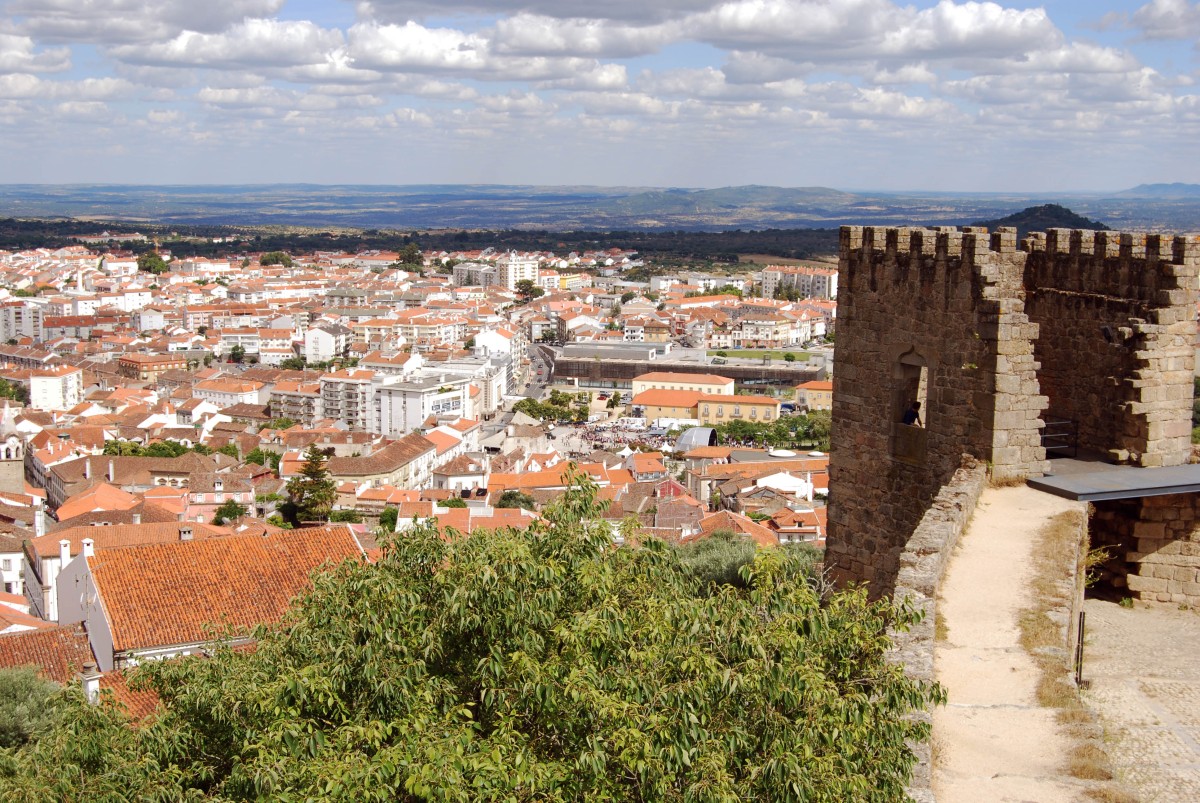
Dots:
pixel 1175 190
pixel 1040 218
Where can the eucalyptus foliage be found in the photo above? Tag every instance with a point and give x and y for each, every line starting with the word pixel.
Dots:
pixel 540 664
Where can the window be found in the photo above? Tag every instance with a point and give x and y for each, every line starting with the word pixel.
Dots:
pixel 6 564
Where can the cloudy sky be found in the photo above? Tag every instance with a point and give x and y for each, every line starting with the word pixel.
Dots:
pixel 854 94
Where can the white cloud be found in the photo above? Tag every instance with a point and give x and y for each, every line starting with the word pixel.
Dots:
pixel 1159 19
pixel 628 10
pixel 250 42
pixel 32 87
pixel 540 35
pixel 414 47
pixel 123 21
pixel 19 54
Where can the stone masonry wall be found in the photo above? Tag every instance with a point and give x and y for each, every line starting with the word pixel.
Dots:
pixel 922 565
pixel 1117 317
pixel 1158 539
pixel 1099 327
pixel 950 301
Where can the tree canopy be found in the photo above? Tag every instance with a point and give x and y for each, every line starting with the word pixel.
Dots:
pixel 151 262
pixel 534 664
pixel 312 492
pixel 276 258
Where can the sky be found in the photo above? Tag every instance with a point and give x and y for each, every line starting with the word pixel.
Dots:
pixel 1066 95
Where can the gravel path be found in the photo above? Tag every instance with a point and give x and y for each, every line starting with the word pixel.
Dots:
pixel 1144 668
pixel 992 742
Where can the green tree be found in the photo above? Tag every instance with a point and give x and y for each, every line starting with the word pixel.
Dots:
pixel 229 449
pixel 123 448
pixel 346 516
pixel 411 255
pixel 454 501
pixel 14 390
pixel 229 511
pixel 312 492
pixel 165 449
pixel 276 258
pixel 789 357
pixel 532 664
pixel 151 262
pixel 627 297
pixel 293 363
pixel 387 519
pixel 283 422
pixel 26 705
pixel 237 353
pixel 513 499
pixel 525 288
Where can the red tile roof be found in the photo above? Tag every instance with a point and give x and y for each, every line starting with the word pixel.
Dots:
pixel 59 653
pixel 166 594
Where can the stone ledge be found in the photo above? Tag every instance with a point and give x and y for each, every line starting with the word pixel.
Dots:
pixel 922 565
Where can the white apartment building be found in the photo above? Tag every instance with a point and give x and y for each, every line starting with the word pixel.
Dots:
pixel 21 319
pixel 515 268
pixel 326 341
pixel 347 395
pixel 402 406
pixel 59 388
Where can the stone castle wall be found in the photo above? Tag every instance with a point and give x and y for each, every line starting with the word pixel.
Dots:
pixel 1157 539
pixel 1094 328
pixel 947 302
pixel 1117 347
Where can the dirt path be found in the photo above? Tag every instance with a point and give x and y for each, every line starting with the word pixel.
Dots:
pixel 992 742
pixel 1144 668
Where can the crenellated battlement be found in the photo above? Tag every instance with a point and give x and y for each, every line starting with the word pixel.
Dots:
pixel 999 338
pixel 1129 265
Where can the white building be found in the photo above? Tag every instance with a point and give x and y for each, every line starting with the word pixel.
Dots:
pixel 59 388
pixel 403 406
pixel 327 341
pixel 515 269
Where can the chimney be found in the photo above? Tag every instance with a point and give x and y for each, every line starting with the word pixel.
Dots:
pixel 112 474
pixel 64 553
pixel 87 469
pixel 91 682
pixel 89 548
pixel 185 532
pixel 137 518
pixel 39 522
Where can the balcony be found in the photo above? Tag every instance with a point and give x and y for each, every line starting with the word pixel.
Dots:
pixel 909 443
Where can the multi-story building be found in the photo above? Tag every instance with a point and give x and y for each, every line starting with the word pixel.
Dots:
pixel 326 342
pixel 347 396
pixel 299 401
pixel 515 268
pixel 57 388
pixel 809 281
pixel 403 406
pixel 148 367
pixel 668 380
pixel 226 392
pixel 21 319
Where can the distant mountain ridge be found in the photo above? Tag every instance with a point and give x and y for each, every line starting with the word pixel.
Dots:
pixel 428 207
pixel 1040 218
pixel 1173 190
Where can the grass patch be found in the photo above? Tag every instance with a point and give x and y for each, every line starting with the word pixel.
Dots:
pixel 1061 544
pixel 758 354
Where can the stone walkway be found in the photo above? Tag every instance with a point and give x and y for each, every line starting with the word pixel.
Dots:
pixel 1144 668
pixel 992 742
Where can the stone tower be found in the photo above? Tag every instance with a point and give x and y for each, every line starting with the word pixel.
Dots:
pixel 1093 331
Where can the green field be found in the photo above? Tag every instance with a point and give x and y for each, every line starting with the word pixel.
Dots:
pixel 757 354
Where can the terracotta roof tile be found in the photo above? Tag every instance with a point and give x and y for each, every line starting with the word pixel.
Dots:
pixel 59 652
pixel 240 581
